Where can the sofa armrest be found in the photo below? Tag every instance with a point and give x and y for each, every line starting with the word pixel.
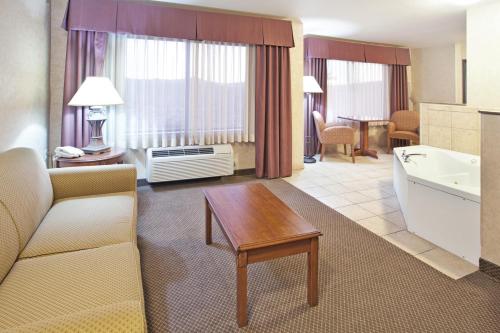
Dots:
pixel 93 180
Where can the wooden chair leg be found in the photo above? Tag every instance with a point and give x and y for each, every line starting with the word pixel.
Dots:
pixel 345 149
pixel 319 148
pixel 389 142
pixel 353 154
pixel 322 152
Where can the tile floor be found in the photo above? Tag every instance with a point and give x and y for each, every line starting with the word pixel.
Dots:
pixel 364 193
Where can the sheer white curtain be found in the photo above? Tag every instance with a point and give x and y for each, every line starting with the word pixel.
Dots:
pixel 221 93
pixel 180 92
pixel 357 89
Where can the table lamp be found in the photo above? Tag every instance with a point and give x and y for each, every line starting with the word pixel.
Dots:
pixel 96 93
pixel 311 86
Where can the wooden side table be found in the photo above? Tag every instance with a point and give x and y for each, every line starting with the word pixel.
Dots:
pixel 115 156
pixel 363 149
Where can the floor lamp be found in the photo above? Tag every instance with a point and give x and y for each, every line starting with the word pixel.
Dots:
pixel 311 86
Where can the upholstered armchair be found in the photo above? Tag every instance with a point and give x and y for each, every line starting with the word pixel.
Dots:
pixel 403 125
pixel 333 134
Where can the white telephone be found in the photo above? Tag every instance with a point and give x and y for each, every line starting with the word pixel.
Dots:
pixel 68 152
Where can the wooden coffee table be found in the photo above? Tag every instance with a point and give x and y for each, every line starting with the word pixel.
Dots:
pixel 260 227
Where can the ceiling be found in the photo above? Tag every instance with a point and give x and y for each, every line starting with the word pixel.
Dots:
pixel 413 23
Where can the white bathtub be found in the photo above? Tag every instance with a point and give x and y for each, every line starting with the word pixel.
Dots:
pixel 439 195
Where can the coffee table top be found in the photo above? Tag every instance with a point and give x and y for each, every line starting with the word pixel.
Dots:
pixel 252 217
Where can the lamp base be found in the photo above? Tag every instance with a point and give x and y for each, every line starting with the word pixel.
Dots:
pixel 96 144
pixel 96 149
pixel 309 159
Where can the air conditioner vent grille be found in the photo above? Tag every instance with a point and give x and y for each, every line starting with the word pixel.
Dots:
pixel 183 152
pixel 190 162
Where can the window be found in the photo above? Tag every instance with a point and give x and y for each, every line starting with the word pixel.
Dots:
pixel 357 89
pixel 180 92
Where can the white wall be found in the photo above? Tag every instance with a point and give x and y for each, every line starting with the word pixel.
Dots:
pixel 433 75
pixel 460 55
pixel 24 36
pixel 483 54
pixel 483 85
pixel 57 60
pixel 297 90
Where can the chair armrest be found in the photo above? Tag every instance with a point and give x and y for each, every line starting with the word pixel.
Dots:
pixel 335 124
pixel 92 180
pixel 391 127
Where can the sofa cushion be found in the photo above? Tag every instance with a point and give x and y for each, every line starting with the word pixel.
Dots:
pixel 85 222
pixel 43 291
pixel 25 190
pixel 9 242
pixel 119 317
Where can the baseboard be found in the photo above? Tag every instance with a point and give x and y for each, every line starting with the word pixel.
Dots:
pixel 241 172
pixel 489 268
pixel 244 172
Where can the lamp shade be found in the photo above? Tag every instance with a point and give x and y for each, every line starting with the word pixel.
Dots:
pixel 311 85
pixel 96 91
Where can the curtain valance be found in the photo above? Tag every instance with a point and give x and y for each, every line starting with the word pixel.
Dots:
pixel 93 15
pixel 152 19
pixel 148 19
pixel 324 48
pixel 228 28
pixel 333 49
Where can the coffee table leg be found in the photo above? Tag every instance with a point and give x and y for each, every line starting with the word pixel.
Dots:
pixel 241 289
pixel 312 273
pixel 208 223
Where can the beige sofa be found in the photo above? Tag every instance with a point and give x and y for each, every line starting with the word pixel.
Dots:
pixel 68 255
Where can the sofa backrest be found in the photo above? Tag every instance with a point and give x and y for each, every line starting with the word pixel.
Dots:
pixel 9 242
pixel 25 190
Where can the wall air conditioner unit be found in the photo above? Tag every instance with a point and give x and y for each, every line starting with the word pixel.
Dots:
pixel 181 163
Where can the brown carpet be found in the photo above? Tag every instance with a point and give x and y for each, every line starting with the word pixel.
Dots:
pixel 366 284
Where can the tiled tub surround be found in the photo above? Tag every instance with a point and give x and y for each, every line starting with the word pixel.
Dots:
pixel 452 127
pixel 490 193
pixel 364 193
